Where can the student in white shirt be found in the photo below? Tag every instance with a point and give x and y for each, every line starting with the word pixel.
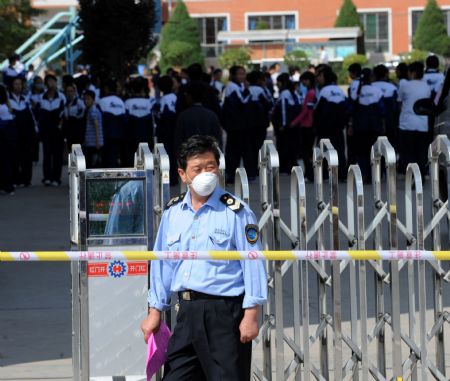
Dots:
pixel 433 77
pixel 413 129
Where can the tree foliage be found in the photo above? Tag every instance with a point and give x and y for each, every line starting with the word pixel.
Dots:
pixel 117 33
pixel 235 56
pixel 354 58
pixel 431 34
pixel 348 15
pixel 413 56
pixel 183 29
pixel 15 25
pixel 296 58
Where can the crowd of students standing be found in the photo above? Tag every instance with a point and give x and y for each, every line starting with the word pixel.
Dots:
pixel 110 119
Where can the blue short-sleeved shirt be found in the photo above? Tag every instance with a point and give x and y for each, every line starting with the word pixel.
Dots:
pixel 93 114
pixel 213 227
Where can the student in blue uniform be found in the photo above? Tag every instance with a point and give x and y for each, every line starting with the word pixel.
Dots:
pixel 235 123
pixel 216 82
pixel 139 123
pixel 390 101
pixel 413 129
pixel 37 89
pixel 287 108
pixel 432 76
pixel 368 123
pixel 354 73
pixel 259 107
pixel 219 300
pixel 26 133
pixel 331 115
pixel 50 114
pixel 166 120
pixel 113 119
pixel 93 140
pixel 74 117
pixel 8 139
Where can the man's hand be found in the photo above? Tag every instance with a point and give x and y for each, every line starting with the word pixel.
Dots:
pixel 151 323
pixel 249 325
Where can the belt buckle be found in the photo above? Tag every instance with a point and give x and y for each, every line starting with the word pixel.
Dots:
pixel 186 295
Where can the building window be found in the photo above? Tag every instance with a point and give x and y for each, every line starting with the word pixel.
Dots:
pixel 209 27
pixel 415 17
pixel 376 31
pixel 271 22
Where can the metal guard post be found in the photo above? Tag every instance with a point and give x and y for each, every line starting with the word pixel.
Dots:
pixel 326 152
pixel 440 147
pixel 241 187
pixel 383 149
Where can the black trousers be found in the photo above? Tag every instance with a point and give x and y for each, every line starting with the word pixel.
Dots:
pixel 365 139
pixel 307 137
pixel 288 148
pixel 112 152
pixel 23 165
pixel 7 153
pixel 240 144
pixel 413 148
pixel 53 147
pixel 205 345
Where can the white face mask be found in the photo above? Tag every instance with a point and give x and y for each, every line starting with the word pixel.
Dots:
pixel 204 183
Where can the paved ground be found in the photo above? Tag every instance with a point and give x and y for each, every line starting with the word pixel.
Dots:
pixel 35 319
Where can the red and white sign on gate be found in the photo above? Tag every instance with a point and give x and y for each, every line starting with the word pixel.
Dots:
pixel 117 269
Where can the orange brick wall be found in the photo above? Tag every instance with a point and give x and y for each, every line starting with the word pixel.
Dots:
pixel 313 13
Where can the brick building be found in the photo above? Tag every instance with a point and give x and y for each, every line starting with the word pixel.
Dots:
pixel 388 24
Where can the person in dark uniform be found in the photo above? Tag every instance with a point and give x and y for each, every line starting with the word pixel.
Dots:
pixel 197 119
pixel 139 120
pixel 26 133
pixel 331 115
pixel 50 113
pixel 113 120
pixel 166 120
pixel 8 139
pixel 235 122
pixel 354 73
pixel 259 107
pixel 74 117
pixel 287 108
pixel 390 101
pixel 368 122
pixel 219 300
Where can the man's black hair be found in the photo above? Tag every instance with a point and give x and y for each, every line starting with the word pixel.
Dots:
pixel 89 93
pixel 417 68
pixel 402 70
pixel 217 71
pixel 111 85
pixel 254 77
pixel 165 84
pixel 307 75
pixel 197 145
pixel 380 72
pixel 355 68
pixel 48 77
pixel 195 72
pixel 432 62
pixel 234 69
pixel 196 90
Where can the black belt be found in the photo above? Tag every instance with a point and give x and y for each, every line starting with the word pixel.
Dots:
pixel 190 295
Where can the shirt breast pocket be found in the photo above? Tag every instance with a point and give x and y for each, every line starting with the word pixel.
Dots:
pixel 219 242
pixel 173 242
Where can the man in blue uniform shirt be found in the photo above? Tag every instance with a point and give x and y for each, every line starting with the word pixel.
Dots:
pixel 219 300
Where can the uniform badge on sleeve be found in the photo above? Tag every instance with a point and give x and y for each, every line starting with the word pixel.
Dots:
pixel 252 233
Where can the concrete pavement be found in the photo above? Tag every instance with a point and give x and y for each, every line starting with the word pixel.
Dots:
pixel 35 319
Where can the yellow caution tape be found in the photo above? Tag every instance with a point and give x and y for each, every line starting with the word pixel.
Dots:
pixel 286 255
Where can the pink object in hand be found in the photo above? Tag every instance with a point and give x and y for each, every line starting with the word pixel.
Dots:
pixel 157 350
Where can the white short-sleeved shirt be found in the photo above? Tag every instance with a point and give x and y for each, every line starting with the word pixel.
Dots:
pixel 408 93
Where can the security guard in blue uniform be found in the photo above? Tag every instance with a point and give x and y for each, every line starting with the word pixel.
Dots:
pixel 218 300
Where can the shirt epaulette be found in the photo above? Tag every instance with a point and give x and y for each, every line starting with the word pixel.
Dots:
pixel 231 202
pixel 175 200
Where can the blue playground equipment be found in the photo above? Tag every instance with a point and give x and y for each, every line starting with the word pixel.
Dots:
pixel 63 41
